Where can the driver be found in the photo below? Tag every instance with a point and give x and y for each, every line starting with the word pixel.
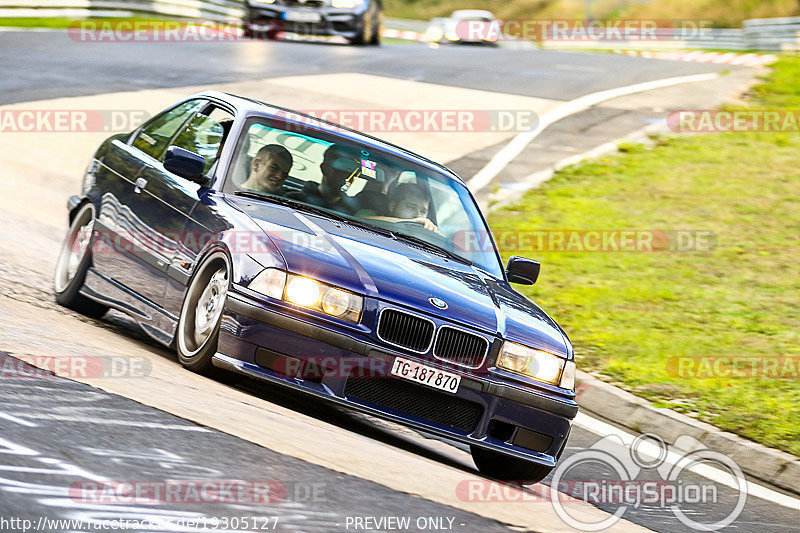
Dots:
pixel 409 202
pixel 269 169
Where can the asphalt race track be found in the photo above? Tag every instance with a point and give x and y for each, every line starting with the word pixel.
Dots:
pixel 327 469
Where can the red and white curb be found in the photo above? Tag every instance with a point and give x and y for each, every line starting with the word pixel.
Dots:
pixel 725 58
pixel 405 35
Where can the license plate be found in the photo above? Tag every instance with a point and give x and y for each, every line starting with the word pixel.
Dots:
pixel 302 16
pixel 426 375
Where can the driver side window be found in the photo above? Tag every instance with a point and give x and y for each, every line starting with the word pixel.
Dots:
pixel 205 133
pixel 155 136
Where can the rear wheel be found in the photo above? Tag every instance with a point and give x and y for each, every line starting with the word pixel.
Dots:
pixel 499 466
pixel 73 263
pixel 198 325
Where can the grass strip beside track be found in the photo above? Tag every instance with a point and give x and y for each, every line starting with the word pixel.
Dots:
pixel 630 315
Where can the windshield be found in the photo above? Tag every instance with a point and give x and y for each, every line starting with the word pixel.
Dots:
pixel 364 184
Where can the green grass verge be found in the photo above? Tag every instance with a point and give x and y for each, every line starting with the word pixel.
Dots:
pixel 719 13
pixel 628 314
pixel 63 23
pixel 33 22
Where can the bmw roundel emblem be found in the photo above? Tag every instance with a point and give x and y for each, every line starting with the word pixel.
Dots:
pixel 438 302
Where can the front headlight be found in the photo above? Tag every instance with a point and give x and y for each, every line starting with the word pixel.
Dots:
pixel 308 292
pixel 529 362
pixel 434 33
pixel 257 2
pixel 346 4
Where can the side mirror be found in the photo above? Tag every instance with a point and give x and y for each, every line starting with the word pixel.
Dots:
pixel 185 164
pixel 523 271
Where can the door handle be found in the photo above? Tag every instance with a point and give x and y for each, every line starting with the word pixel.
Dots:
pixel 140 184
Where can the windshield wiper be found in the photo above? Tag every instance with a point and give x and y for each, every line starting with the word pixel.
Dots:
pixel 433 247
pixel 292 203
pixel 315 210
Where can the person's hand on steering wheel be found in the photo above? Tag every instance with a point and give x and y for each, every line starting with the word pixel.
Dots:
pixel 426 223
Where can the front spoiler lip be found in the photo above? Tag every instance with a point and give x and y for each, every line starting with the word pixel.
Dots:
pixel 236 303
pixel 229 363
pixel 273 17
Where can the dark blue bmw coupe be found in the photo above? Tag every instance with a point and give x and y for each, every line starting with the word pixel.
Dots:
pixel 260 241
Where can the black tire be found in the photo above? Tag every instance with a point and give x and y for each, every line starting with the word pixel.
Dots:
pixel 359 39
pixel 375 40
pixel 499 466
pixel 196 337
pixel 74 261
pixel 367 32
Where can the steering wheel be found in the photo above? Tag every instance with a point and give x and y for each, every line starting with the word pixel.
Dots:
pixel 417 229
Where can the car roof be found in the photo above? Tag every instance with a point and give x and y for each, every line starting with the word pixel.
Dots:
pixel 251 106
pixel 469 13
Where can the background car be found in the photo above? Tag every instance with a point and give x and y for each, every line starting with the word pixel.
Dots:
pixel 473 26
pixel 358 21
pixel 323 280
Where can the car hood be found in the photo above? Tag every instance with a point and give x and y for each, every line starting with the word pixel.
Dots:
pixel 403 274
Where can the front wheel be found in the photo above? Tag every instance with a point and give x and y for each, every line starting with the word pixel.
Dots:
pixel 499 466
pixel 375 40
pixel 73 263
pixel 198 325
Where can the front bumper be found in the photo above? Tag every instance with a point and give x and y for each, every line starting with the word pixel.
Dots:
pixel 333 22
pixel 484 412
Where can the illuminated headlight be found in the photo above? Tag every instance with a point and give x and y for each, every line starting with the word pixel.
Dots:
pixel 257 2
pixel 346 4
pixel 308 292
pixel 434 34
pixel 536 364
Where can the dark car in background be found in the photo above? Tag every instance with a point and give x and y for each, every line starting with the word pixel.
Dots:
pixel 358 21
pixel 265 242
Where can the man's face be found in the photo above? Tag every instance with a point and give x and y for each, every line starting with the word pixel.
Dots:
pixel 336 169
pixel 410 207
pixel 270 173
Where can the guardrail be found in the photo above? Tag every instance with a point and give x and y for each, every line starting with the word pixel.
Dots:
pixel 778 34
pixel 216 10
pixel 781 34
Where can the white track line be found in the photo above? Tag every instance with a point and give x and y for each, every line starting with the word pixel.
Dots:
pixel 601 428
pixel 509 152
pixel 16 420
